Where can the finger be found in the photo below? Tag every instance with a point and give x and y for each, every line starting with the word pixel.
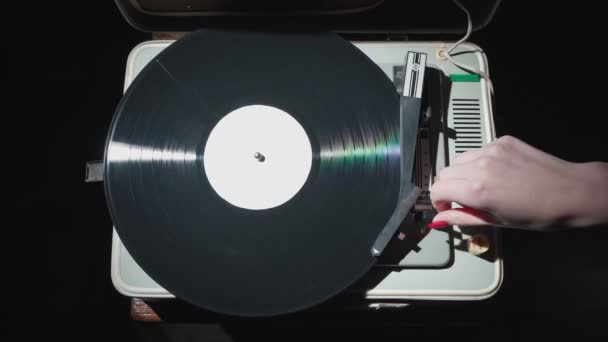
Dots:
pixel 442 205
pixel 459 171
pixel 463 192
pixel 469 156
pixel 466 157
pixel 493 148
pixel 457 217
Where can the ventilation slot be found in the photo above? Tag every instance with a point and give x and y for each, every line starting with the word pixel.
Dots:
pixel 466 115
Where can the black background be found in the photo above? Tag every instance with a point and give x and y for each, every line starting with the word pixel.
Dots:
pixel 65 73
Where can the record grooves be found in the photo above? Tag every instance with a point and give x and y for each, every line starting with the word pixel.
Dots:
pixel 184 232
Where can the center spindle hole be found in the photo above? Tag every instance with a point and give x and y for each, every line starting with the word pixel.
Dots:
pixel 260 157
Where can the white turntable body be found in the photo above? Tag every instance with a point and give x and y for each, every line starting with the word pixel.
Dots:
pixel 433 271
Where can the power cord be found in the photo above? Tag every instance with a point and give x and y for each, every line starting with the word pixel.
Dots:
pixel 448 53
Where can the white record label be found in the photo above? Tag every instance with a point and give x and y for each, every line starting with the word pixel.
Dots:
pixel 257 157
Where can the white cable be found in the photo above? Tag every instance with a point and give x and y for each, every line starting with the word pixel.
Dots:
pixel 448 54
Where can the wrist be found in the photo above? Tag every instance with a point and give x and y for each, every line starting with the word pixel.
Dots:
pixel 590 194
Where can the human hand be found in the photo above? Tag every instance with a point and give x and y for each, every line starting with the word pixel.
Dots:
pixel 512 184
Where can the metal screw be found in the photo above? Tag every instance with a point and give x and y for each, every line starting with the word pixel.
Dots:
pixel 441 55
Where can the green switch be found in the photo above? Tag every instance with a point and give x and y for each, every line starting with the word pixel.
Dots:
pixel 464 78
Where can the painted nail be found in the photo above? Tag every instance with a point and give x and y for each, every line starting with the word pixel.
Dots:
pixel 438 224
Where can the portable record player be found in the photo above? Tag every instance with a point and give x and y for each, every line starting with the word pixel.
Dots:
pixel 415 263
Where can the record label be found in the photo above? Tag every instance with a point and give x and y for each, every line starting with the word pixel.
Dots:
pixel 257 157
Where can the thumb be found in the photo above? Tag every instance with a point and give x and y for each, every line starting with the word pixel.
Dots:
pixel 465 217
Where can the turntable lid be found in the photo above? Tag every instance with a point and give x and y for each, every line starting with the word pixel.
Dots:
pixel 342 16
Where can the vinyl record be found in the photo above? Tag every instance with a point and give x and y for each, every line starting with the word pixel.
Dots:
pixel 249 173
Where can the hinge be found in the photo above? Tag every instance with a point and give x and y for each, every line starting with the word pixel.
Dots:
pixel 94 171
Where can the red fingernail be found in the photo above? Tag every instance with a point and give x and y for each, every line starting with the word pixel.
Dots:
pixel 438 224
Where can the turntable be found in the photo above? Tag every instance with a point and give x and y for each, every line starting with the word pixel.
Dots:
pixel 410 261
